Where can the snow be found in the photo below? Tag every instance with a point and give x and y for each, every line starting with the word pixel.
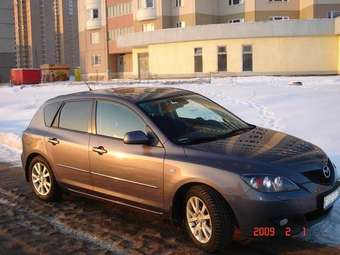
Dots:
pixel 311 112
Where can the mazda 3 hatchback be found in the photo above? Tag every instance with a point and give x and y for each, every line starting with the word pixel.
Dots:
pixel 176 153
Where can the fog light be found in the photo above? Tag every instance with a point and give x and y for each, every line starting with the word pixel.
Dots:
pixel 283 222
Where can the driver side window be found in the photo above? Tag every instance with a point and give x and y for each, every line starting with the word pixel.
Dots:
pixel 115 120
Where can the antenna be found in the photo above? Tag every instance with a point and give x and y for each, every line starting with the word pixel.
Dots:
pixel 88 85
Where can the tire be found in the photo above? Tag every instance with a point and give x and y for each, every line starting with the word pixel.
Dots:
pixel 221 223
pixel 49 190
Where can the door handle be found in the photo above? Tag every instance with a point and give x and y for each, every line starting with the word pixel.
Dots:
pixel 53 141
pixel 100 150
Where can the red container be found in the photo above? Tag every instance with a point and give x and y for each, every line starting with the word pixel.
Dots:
pixel 21 76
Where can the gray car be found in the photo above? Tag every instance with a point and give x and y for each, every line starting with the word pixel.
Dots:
pixel 176 153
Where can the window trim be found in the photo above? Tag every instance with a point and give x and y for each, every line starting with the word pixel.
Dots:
pixel 89 128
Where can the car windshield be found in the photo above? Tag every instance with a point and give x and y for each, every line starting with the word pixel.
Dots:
pixel 192 119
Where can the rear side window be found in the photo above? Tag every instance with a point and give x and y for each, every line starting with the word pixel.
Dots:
pixel 50 111
pixel 76 116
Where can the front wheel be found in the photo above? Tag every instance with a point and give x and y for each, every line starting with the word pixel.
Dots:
pixel 208 220
pixel 42 180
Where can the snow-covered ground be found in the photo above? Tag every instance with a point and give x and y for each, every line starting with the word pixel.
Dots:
pixel 311 112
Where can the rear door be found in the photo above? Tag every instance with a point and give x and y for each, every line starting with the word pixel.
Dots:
pixel 130 173
pixel 68 142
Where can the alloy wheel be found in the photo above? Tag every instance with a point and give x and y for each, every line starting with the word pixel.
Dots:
pixel 41 179
pixel 199 220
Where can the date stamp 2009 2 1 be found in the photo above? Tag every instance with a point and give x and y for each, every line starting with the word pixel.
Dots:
pixel 273 232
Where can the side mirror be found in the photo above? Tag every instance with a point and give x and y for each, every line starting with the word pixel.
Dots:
pixel 136 137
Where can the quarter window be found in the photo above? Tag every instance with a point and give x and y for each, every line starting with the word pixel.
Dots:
pixel 115 120
pixel 76 116
pixel 49 113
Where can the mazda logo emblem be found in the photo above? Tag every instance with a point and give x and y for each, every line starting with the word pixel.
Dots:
pixel 326 172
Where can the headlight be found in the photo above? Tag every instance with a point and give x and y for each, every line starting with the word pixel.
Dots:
pixel 269 183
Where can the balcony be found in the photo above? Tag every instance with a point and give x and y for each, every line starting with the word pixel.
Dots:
pixel 146 14
pixel 94 14
pixel 93 23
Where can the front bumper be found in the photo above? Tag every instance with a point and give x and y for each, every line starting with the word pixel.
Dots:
pixel 282 214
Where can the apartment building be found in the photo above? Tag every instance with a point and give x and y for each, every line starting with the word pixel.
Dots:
pixel 7 46
pixel 46 32
pixel 103 22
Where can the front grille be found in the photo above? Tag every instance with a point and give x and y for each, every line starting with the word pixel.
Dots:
pixel 317 176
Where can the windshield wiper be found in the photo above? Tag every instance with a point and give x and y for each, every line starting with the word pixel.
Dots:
pixel 199 140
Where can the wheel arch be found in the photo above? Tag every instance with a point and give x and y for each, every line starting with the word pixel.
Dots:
pixel 29 160
pixel 177 202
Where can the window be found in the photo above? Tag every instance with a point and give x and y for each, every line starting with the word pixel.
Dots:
pixel 235 2
pixel 149 3
pixel 247 58
pixel 95 38
pixel 115 120
pixel 120 9
pixel 115 33
pixel 222 58
pixel 275 18
pixel 179 3
pixel 180 24
pixel 76 116
pixel 198 60
pixel 50 111
pixel 96 60
pixel 95 14
pixel 278 0
pixel 236 21
pixel 333 14
pixel 146 4
pixel 148 27
pixel 192 119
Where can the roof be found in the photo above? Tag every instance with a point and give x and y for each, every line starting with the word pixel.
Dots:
pixel 131 94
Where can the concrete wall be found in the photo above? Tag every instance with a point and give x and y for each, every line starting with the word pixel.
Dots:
pixel 293 55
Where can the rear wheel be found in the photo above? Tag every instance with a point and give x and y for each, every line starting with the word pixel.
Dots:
pixel 208 220
pixel 42 180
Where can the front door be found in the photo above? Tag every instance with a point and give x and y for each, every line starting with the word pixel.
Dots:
pixel 68 142
pixel 133 174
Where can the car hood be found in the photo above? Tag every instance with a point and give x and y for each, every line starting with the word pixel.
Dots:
pixel 259 150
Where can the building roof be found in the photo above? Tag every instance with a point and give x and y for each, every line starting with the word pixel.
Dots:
pixel 285 28
pixel 131 94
